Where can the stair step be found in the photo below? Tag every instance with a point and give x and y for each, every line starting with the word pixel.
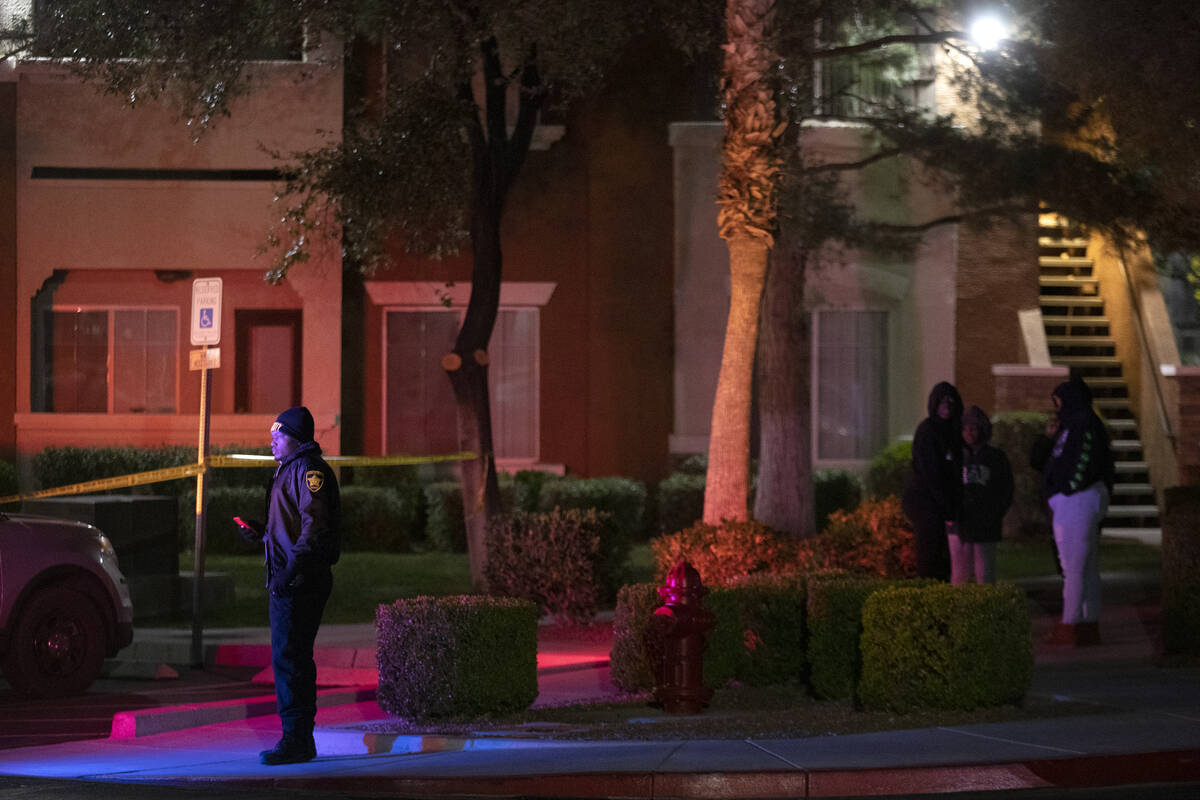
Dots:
pixel 1132 511
pixel 1068 321
pixel 1105 383
pixel 1111 402
pixel 1132 489
pixel 1071 300
pixel 1068 281
pixel 1125 446
pixel 1080 340
pixel 1147 535
pixel 1075 262
pixel 1056 242
pixel 1130 466
pixel 1086 361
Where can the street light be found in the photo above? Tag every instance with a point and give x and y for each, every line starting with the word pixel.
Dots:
pixel 988 30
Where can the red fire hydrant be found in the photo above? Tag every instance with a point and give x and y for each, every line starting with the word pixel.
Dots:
pixel 681 624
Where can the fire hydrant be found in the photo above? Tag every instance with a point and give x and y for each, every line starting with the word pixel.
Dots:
pixel 681 624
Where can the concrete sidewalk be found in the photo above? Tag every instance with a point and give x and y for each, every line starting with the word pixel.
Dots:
pixel 1148 731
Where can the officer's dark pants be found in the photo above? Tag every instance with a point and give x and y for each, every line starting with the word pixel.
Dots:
pixel 294 623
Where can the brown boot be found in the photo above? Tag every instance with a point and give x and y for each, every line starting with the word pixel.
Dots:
pixel 1063 635
pixel 1087 634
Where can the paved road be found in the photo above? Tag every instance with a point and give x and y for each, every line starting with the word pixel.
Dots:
pixel 89 716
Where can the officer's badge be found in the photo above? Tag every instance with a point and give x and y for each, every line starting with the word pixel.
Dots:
pixel 315 480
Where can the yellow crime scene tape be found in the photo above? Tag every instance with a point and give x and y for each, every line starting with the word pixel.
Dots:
pixel 223 462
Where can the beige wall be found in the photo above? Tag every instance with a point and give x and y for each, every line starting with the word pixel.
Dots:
pixel 110 235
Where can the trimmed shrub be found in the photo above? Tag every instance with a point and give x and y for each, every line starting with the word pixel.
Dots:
pixel 548 558
pixel 945 647
pixel 624 499
pixel 224 503
pixel 834 626
pixel 8 479
pixel 758 638
pixel 405 481
pixel 724 555
pixel 890 470
pixel 834 490
pixel 527 489
pixel 633 657
pixel 694 464
pixel 1181 570
pixel 62 466
pixel 875 539
pixel 680 501
pixel 456 656
pixel 1014 432
pixel 445 528
pixel 376 519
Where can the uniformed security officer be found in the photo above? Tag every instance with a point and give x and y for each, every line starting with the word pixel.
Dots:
pixel 302 540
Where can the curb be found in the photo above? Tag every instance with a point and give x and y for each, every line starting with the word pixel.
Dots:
pixel 1068 773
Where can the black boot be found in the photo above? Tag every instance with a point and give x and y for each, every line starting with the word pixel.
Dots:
pixel 290 750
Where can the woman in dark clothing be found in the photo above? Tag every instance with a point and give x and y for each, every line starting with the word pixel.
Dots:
pixel 933 501
pixel 987 494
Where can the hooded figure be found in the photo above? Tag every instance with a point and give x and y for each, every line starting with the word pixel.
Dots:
pixel 1077 478
pixel 933 499
pixel 987 494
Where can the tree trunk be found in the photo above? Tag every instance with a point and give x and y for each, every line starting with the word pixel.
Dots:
pixel 727 487
pixel 784 499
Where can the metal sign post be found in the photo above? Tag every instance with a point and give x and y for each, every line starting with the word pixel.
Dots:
pixel 206 330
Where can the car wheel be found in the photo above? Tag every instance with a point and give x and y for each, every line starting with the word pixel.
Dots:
pixel 57 647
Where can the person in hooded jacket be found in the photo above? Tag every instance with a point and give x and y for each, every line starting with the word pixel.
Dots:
pixel 933 499
pixel 987 494
pixel 302 541
pixel 1077 478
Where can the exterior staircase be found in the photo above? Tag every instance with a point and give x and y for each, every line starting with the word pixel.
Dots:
pixel 1077 332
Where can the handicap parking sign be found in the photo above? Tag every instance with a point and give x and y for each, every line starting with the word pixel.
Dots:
pixel 206 311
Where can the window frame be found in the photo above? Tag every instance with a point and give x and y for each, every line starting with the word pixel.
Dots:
pixel 815 374
pixel 109 361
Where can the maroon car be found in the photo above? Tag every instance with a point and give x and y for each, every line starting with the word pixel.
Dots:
pixel 64 604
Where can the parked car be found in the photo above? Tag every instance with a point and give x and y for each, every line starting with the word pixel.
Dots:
pixel 64 604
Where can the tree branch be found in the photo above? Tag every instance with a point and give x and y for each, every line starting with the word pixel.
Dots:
pixel 849 165
pixel 951 219
pixel 939 37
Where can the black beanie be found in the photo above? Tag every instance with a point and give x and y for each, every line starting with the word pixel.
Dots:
pixel 297 423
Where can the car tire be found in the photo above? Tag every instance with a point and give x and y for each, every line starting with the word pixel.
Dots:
pixel 58 644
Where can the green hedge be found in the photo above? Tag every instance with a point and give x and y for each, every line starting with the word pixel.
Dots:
pixel 632 659
pixel 945 647
pixel 445 528
pixel 548 558
pixel 1181 570
pixel 456 656
pixel 889 470
pixel 680 501
pixel 8 479
pixel 224 503
pixel 758 638
pixel 378 519
pixel 834 490
pixel 1014 432
pixel 624 499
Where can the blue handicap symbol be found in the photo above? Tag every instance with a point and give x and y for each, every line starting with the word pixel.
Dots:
pixel 206 318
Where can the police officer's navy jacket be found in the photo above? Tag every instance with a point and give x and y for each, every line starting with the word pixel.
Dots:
pixel 304 518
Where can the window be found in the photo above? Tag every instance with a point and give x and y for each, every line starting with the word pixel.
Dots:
pixel 107 360
pixel 420 414
pixel 851 384
pixel 268 363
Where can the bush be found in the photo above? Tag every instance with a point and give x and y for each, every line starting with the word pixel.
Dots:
pixel 405 481
pixel 624 499
pixel 680 501
pixel 875 538
pixel 834 490
pixel 445 527
pixel 221 534
pixel 695 464
pixel 633 660
pixel 63 466
pixel 890 471
pixel 456 656
pixel 8 479
pixel 376 519
pixel 834 625
pixel 724 555
pixel 527 489
pixel 758 638
pixel 548 558
pixel 1014 432
pixel 945 647
pixel 1181 570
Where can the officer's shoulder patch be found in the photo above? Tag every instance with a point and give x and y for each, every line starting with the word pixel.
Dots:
pixel 315 480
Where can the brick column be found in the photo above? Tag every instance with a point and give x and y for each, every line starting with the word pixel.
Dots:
pixel 1187 436
pixel 1020 387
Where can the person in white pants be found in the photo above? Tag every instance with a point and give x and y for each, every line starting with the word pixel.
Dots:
pixel 1077 478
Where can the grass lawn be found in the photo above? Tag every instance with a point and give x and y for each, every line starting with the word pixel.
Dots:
pixel 363 581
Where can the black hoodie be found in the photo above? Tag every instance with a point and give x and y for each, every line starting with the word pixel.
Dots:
pixel 1080 455
pixel 987 484
pixel 935 494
